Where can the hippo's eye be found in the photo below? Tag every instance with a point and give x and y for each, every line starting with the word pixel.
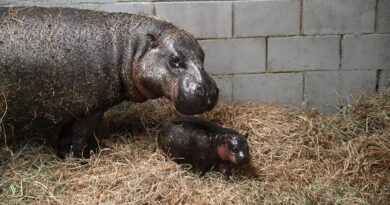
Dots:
pixel 234 150
pixel 175 61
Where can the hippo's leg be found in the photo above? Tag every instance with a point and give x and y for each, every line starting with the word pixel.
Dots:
pixel 83 134
pixel 64 141
pixel 79 136
pixel 204 168
pixel 224 168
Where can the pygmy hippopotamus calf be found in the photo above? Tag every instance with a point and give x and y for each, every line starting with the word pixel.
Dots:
pixel 62 68
pixel 204 145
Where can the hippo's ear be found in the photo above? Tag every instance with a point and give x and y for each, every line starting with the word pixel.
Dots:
pixel 224 139
pixel 152 40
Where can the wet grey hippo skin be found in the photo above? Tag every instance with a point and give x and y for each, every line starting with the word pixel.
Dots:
pixel 61 68
pixel 203 144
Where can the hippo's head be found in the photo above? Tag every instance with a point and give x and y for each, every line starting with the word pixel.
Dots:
pixel 234 148
pixel 170 63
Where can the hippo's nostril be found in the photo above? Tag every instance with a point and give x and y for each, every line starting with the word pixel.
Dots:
pixel 199 90
pixel 246 160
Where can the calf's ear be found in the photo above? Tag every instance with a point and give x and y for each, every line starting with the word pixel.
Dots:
pixel 222 138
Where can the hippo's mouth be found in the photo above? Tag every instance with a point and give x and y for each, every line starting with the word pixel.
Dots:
pixel 185 103
pixel 171 91
pixel 197 99
pixel 187 96
pixel 142 93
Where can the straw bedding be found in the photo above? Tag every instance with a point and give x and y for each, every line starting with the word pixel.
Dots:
pixel 298 157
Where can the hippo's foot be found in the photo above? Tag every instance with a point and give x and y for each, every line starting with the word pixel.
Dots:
pixel 64 143
pixel 225 169
pixel 204 168
pixel 65 147
pixel 78 137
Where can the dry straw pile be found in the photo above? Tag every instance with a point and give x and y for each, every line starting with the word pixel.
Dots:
pixel 298 158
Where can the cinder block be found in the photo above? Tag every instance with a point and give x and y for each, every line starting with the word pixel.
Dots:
pixel 60 3
pixel 137 0
pixel 284 88
pixel 40 3
pixel 32 2
pixel 100 5
pixel 303 53
pixel 131 8
pixel 264 18
pixel 225 86
pixel 384 81
pixel 338 16
pixel 383 16
pixel 89 1
pixel 329 90
pixel 366 51
pixel 203 19
pixel 6 3
pixel 234 55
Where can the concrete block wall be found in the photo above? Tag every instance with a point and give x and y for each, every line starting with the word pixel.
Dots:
pixel 317 53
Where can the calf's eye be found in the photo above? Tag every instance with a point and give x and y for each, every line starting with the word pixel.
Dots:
pixel 234 150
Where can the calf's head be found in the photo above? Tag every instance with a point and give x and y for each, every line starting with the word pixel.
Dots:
pixel 233 147
pixel 170 63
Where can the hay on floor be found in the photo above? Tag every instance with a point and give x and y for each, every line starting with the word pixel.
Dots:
pixel 298 157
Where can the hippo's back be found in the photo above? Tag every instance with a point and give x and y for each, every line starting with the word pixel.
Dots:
pixel 54 38
pixel 185 137
pixel 57 64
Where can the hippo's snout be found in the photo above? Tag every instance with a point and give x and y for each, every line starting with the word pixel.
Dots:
pixel 195 98
pixel 242 158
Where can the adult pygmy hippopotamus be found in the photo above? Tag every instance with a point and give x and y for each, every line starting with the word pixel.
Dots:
pixel 61 68
pixel 204 145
